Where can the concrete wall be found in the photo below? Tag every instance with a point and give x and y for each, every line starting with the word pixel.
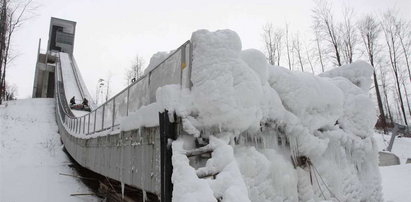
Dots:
pixel 42 80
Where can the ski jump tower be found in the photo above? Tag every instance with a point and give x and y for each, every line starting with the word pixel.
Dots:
pixel 61 39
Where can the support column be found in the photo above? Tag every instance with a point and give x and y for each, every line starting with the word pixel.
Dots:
pixel 45 83
pixel 168 131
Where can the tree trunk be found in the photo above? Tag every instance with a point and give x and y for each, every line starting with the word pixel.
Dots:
pixel 288 46
pixel 406 57
pixel 3 31
pixel 406 98
pixel 380 107
pixel 319 53
pixel 400 97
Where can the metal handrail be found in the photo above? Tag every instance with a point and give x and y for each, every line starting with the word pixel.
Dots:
pixel 142 77
pixel 77 123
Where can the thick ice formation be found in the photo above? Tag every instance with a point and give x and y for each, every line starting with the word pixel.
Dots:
pixel 273 118
pixel 226 92
pixel 357 72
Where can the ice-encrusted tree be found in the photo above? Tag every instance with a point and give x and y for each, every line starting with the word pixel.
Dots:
pixel 135 71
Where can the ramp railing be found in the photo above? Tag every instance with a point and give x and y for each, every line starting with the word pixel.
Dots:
pixel 175 69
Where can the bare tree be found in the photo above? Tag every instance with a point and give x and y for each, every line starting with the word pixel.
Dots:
pixel 3 33
pixel 135 71
pixel 278 38
pixel 390 26
pixel 297 48
pixel 270 49
pixel 404 35
pixel 384 84
pixel 349 35
pixel 287 43
pixel 10 92
pixel 406 95
pixel 369 31
pixel 309 58
pixel 326 28
pixel 320 54
pixel 12 15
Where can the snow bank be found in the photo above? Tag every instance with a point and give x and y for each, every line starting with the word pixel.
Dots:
pixel 31 155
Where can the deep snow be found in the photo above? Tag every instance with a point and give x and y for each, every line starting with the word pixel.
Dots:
pixel 31 155
pixel 396 179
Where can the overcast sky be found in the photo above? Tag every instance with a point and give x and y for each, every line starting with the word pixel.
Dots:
pixel 109 33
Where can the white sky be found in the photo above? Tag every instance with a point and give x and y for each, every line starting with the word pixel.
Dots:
pixel 110 33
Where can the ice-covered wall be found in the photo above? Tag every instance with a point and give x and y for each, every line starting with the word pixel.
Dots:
pixel 327 120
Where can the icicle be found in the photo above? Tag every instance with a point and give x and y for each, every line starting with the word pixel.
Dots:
pixel 144 196
pixel 122 190
pixel 121 165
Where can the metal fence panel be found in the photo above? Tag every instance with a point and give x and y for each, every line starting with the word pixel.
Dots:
pixel 169 72
pixel 99 119
pixel 120 107
pixel 108 114
pixel 92 121
pixel 139 95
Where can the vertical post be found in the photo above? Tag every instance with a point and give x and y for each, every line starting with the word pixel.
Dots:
pixel 394 134
pixel 190 64
pixel 168 131
pixel 183 63
pixel 114 113
pixel 84 124
pixel 95 118
pixel 102 117
pixel 128 97
pixel 88 125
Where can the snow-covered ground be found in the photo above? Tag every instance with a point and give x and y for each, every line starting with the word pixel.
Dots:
pixel 31 155
pixel 396 179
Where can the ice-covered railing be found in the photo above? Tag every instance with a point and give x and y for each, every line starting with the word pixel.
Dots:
pixel 175 69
